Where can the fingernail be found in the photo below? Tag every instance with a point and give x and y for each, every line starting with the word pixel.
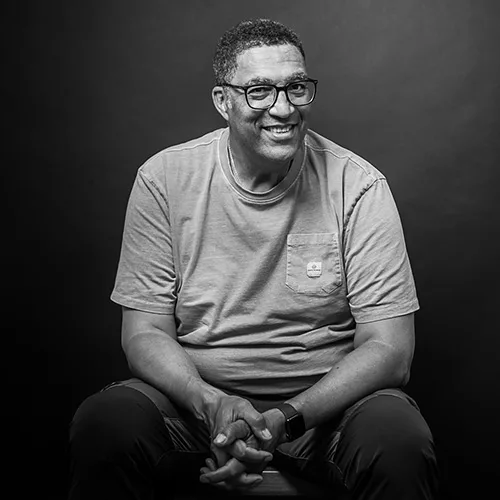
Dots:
pixel 268 458
pixel 203 479
pixel 219 439
pixel 266 434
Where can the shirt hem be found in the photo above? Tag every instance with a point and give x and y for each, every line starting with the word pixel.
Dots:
pixel 386 313
pixel 140 306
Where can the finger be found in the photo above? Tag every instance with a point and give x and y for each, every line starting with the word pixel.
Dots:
pixel 222 485
pixel 242 482
pixel 230 470
pixel 256 422
pixel 211 464
pixel 209 467
pixel 245 453
pixel 246 481
pixel 233 431
pixel 219 455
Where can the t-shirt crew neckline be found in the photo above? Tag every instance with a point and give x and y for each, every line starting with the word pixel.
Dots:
pixel 272 194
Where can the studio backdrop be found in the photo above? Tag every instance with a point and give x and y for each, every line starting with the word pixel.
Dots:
pixel 410 85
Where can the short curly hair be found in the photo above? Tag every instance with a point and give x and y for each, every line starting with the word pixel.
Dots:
pixel 245 35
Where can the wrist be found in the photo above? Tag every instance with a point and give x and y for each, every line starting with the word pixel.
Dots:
pixel 276 422
pixel 294 424
pixel 203 399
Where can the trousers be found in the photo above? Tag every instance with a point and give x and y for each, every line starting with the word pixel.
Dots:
pixel 128 441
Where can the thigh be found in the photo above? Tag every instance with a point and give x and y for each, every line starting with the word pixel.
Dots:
pixel 186 432
pixel 325 454
pixel 384 444
pixel 131 427
pixel 180 461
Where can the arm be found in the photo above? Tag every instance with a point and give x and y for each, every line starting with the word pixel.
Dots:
pixel 382 355
pixel 146 281
pixel 149 341
pixel 150 344
pixel 379 285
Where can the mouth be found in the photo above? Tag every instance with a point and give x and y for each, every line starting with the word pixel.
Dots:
pixel 281 131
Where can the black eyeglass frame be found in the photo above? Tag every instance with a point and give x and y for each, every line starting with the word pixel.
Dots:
pixel 278 88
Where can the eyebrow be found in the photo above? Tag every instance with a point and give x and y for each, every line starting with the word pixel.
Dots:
pixel 299 75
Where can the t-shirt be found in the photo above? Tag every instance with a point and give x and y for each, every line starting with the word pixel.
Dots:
pixel 266 287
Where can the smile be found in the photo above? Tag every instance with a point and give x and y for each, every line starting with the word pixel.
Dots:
pixel 279 129
pixel 280 133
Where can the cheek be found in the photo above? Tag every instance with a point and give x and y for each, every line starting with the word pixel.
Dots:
pixel 305 114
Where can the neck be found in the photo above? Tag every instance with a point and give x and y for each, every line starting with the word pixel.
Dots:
pixel 257 177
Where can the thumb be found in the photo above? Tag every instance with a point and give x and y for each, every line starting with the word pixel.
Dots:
pixel 258 426
pixel 232 432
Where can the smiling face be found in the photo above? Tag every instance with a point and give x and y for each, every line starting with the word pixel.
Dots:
pixel 269 137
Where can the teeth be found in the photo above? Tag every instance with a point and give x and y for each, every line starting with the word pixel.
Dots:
pixel 280 130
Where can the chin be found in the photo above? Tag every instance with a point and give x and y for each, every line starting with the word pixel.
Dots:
pixel 280 154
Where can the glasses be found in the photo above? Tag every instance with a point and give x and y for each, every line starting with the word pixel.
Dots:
pixel 261 96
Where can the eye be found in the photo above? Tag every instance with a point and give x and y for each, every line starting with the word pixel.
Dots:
pixel 259 91
pixel 297 87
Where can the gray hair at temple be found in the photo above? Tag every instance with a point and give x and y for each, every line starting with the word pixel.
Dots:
pixel 246 35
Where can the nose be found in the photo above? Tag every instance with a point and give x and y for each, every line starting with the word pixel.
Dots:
pixel 282 107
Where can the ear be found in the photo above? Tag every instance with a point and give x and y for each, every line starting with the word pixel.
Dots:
pixel 221 101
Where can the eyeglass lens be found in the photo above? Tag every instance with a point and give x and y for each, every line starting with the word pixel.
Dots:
pixel 264 96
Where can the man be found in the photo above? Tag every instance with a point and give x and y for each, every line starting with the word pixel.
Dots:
pixel 267 302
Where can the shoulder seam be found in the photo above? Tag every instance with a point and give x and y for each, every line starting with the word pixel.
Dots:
pixel 156 188
pixel 348 156
pixel 193 146
pixel 361 194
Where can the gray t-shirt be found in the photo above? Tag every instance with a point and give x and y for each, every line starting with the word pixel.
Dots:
pixel 267 287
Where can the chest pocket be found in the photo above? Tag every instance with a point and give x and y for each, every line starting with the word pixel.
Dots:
pixel 313 263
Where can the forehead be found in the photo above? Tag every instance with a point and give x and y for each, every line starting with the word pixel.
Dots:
pixel 275 63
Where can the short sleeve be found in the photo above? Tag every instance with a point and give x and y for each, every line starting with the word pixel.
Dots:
pixel 146 277
pixel 379 279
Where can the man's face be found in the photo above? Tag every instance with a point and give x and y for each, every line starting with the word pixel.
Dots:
pixel 273 135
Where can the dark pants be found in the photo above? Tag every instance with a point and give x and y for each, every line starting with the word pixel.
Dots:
pixel 129 442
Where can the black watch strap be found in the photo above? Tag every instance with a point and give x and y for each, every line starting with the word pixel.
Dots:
pixel 294 421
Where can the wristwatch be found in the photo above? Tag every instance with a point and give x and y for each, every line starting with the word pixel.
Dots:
pixel 294 422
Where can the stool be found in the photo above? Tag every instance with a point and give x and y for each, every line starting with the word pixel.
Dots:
pixel 280 483
pixel 275 483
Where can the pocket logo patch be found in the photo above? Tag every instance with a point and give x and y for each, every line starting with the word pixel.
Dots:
pixel 314 269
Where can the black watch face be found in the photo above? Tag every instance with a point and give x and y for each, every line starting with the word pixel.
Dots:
pixel 294 422
pixel 294 427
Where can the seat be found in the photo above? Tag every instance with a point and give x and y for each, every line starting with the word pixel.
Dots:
pixel 275 483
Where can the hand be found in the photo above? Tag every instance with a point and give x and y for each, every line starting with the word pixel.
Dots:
pixel 275 422
pixel 239 463
pixel 242 451
pixel 228 409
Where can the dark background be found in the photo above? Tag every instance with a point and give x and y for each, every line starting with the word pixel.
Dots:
pixel 411 85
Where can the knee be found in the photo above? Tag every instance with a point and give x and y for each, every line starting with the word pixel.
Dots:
pixel 400 432
pixel 389 438
pixel 111 423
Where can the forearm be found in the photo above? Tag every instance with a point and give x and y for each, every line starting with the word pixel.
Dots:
pixel 161 361
pixel 371 366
